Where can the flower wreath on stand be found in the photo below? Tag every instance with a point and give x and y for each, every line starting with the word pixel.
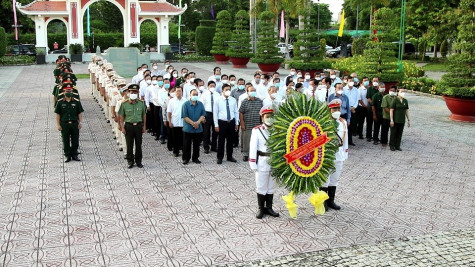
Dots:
pixel 303 141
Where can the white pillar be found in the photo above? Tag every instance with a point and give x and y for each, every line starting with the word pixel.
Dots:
pixel 164 40
pixel 41 31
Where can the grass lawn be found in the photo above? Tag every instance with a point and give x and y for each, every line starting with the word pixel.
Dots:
pixel 82 76
pixel 442 66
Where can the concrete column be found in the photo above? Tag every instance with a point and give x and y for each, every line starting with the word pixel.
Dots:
pixel 164 37
pixel 41 31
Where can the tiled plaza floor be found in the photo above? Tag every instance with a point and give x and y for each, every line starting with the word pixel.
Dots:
pixel 97 212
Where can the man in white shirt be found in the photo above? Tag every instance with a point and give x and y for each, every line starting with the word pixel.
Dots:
pixel 208 99
pixel 256 81
pixel 316 91
pixel 175 122
pixel 244 96
pixel 189 84
pixel 225 115
pixel 263 88
pixel 220 82
pixel 362 109
pixel 330 88
pixel 138 77
pixel 216 75
pixel 273 99
pixel 353 97
pixel 155 70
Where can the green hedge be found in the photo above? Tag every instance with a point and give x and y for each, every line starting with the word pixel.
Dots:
pixel 3 42
pixel 204 37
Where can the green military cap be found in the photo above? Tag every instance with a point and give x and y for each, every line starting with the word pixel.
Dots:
pixel 67 86
pixel 69 80
pixel 69 75
pixel 57 72
pixel 133 87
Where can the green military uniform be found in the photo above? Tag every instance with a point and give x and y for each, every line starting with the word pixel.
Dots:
pixel 377 100
pixel 399 116
pixel 133 113
pixel 369 115
pixel 386 103
pixel 69 120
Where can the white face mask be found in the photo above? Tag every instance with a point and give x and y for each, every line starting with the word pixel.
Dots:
pixel 225 81
pixel 154 82
pixel 233 82
pixel 175 75
pixel 155 67
pixel 299 75
pixel 269 121
pixel 333 77
pixel 392 93
pixel 350 84
pixel 192 80
pixel 227 93
pixel 375 84
pixel 345 81
pixel 273 95
pixel 133 96
pixel 292 73
pixel 201 88
pixel 402 94
pixel 381 90
pixel 173 94
pixel 310 88
pixel 339 92
pixel 307 77
pixel 212 89
pixel 336 115
pixel 148 81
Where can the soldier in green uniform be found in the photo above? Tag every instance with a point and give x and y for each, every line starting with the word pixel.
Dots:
pixel 377 111
pixel 372 90
pixel 68 118
pixel 398 113
pixel 132 113
pixel 386 105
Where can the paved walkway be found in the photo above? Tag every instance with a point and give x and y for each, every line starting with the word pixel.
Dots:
pixel 99 213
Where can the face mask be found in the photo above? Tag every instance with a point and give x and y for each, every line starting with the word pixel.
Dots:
pixel 292 73
pixel 356 80
pixel 166 86
pixel 69 94
pixel 277 85
pixel 166 66
pixel 192 80
pixel 345 81
pixel 212 89
pixel 339 92
pixel 253 94
pixel 351 84
pixel 121 90
pixel 333 77
pixel 225 81
pixel 241 87
pixel 227 93
pixel 154 82
pixel 155 67
pixel 201 88
pixel 175 75
pixel 269 121
pixel 148 81
pixel 115 82
pixel 381 90
pixel 133 96
pixel 336 115
pixel 194 98
pixel 233 82
pixel 258 81
pixel 183 74
pixel 402 94
pixel 310 87
pixel 366 83
pixel 299 75
pixel 375 84
pixel 273 95
pixel 160 83
pixel 173 95
pixel 307 77
pixel 218 77
pixel 392 93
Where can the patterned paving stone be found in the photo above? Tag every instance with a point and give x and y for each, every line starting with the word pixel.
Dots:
pixel 99 213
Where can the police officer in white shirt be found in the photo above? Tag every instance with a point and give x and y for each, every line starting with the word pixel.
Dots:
pixel 175 122
pixel 210 136
pixel 225 115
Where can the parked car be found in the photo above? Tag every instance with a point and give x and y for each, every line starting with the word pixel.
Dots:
pixel 177 49
pixel 336 52
pixel 59 51
pixel 23 49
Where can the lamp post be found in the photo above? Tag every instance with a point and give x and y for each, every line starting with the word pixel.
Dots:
pixel 401 34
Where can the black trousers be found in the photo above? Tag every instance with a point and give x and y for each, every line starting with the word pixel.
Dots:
pixel 384 131
pixel 226 134
pixel 133 134
pixel 148 123
pixel 377 126
pixel 191 140
pixel 369 124
pixel 70 137
pixel 170 138
pixel 236 137
pixel 396 135
pixel 209 134
pixel 362 113
pixel 177 139
pixel 352 127
pixel 156 119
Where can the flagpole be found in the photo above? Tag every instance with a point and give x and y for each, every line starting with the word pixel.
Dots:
pixel 15 20
pixel 88 23
pixel 179 31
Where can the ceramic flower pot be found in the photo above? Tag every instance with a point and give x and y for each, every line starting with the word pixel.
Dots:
pixel 268 68
pixel 462 109
pixel 239 62
pixel 221 59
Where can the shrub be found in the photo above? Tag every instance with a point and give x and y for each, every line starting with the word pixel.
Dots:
pixel 348 65
pixel 240 46
pixel 203 35
pixel 359 46
pixel 3 42
pixel 75 48
pixel 444 48
pixel 267 51
pixel 223 32
pixel 460 81
pixel 334 40
pixel 412 70
pixel 17 60
pixel 422 84
pixel 193 58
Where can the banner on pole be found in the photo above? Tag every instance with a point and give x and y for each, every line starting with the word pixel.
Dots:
pixel 282 25
pixel 342 24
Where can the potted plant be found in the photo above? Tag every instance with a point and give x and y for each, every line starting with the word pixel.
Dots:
pixel 223 31
pixel 458 86
pixel 307 58
pixel 239 49
pixel 75 51
pixel 41 55
pixel 267 56
pixel 168 52
pixel 379 59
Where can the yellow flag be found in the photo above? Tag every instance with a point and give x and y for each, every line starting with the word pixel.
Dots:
pixel 342 24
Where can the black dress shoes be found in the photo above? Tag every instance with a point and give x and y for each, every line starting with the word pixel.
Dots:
pixel 197 161
pixel 75 158
pixel 219 161
pixel 232 160
pixel 68 159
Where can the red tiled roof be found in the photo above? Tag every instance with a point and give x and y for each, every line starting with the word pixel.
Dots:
pixel 46 6
pixel 158 7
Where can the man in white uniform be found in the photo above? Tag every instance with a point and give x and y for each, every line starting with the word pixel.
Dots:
pixel 341 155
pixel 258 157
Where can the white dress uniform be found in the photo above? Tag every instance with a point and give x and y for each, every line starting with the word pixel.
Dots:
pixel 265 183
pixel 341 155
